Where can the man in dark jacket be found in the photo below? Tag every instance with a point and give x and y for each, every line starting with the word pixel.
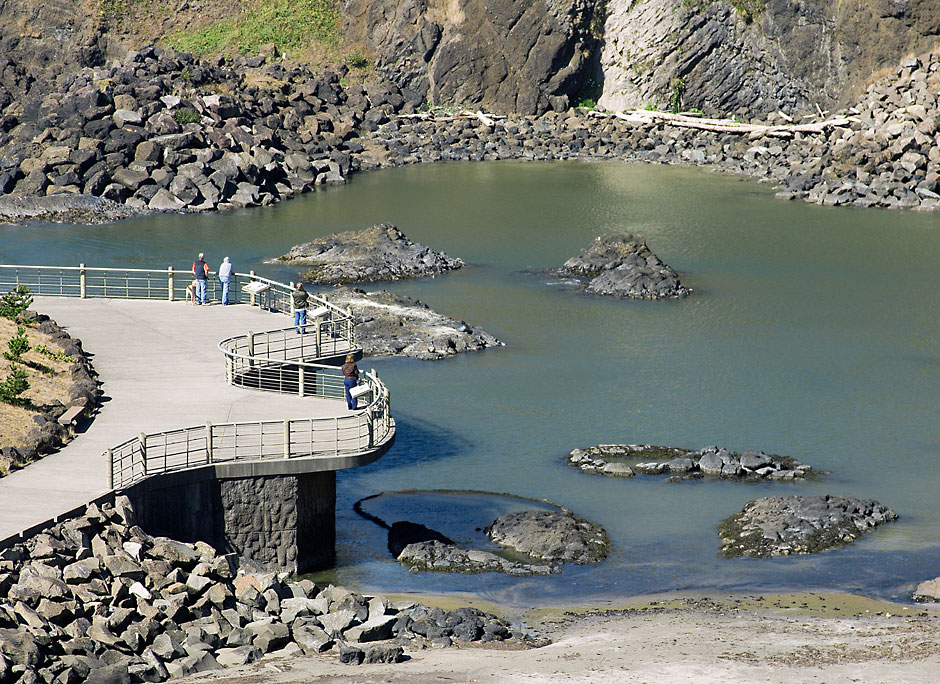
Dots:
pixel 201 274
pixel 300 300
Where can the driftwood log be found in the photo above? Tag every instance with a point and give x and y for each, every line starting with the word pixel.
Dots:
pixel 644 116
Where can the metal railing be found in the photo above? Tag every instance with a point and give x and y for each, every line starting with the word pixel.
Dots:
pixel 201 445
pixel 141 283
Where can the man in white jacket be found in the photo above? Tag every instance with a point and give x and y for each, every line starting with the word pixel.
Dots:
pixel 225 277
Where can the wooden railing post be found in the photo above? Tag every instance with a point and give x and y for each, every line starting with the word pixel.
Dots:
pixel 143 452
pixel 287 438
pixel 251 296
pixel 169 283
pixel 208 442
pixel 81 282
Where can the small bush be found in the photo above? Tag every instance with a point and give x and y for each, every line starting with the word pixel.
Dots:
pixel 53 354
pixel 15 302
pixel 13 386
pixel 18 345
pixel 187 116
pixel 357 60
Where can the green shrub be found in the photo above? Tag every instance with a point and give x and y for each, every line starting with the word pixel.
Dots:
pixel 13 386
pixel 53 354
pixel 675 97
pixel 186 116
pixel 18 345
pixel 289 24
pixel 15 302
pixel 357 60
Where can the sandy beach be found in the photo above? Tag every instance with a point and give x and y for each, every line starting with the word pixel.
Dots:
pixel 786 638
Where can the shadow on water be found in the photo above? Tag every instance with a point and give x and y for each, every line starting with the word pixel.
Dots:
pixel 417 442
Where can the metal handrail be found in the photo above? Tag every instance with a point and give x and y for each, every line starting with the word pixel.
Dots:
pixel 208 444
pixel 275 360
pixel 146 283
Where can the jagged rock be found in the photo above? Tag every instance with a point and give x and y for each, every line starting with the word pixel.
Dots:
pixel 928 591
pixel 377 629
pixel 622 265
pixel 241 655
pixel 312 639
pixel 395 325
pixel 784 525
pixel 384 653
pixel 554 536
pixel 437 556
pixel 350 655
pixel 381 252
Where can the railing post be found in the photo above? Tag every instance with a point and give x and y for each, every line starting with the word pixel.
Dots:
pixel 110 469
pixel 319 332
pixel 251 344
pixel 287 438
pixel 208 441
pixel 300 381
pixel 81 281
pixel 251 296
pixel 169 283
pixel 143 452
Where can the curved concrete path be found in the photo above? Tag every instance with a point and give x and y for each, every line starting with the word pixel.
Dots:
pixel 160 369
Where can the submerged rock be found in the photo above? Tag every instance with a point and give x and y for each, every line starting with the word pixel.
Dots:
pixel 785 525
pixel 554 536
pixel 394 325
pixel 621 265
pixel 381 252
pixel 62 208
pixel 683 464
pixel 441 557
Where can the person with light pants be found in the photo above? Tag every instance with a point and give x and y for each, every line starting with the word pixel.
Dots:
pixel 225 277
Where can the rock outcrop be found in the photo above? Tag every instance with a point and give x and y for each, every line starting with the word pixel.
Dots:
pixel 627 460
pixel 553 536
pixel 395 325
pixel 381 252
pixel 98 598
pixel 441 557
pixel 524 57
pixel 785 525
pixel 928 591
pixel 751 57
pixel 621 265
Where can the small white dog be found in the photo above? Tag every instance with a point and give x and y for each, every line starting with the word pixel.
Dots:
pixel 191 293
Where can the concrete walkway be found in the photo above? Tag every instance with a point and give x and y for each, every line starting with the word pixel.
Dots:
pixel 160 369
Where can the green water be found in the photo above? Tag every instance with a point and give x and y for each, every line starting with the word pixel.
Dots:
pixel 812 332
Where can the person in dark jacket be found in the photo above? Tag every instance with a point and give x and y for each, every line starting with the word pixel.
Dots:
pixel 350 380
pixel 201 274
pixel 300 300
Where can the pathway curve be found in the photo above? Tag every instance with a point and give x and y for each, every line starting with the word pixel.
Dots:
pixel 160 369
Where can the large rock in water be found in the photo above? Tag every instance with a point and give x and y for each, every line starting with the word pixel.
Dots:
pixel 785 525
pixel 438 556
pixel 394 325
pixel 555 536
pixel 621 265
pixel 381 252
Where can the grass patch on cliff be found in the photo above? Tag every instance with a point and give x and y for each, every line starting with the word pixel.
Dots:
pixel 292 25
pixel 748 10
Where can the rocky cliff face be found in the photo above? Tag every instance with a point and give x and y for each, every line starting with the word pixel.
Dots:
pixel 751 57
pixel 505 55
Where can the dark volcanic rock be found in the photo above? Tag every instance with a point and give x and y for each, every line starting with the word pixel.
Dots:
pixel 555 536
pixel 381 252
pixel 403 533
pixel 62 208
pixel 438 556
pixel 623 266
pixel 785 525
pixel 394 325
pixel 627 460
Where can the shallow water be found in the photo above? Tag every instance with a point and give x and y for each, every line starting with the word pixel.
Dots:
pixel 812 333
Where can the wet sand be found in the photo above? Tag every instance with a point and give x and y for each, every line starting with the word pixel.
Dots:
pixel 785 638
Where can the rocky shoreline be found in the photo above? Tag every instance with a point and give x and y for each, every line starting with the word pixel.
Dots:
pixel 153 133
pixel 95 598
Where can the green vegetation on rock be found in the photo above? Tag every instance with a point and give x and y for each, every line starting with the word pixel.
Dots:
pixel 15 302
pixel 288 25
pixel 748 10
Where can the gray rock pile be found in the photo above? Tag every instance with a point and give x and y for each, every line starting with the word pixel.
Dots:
pixel 381 252
pixel 161 130
pixel 928 591
pixel 622 265
pixel 554 536
pixel 438 556
pixel 785 525
pixel 395 325
pixel 48 434
pixel 627 460
pixel 62 208
pixel 96 598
